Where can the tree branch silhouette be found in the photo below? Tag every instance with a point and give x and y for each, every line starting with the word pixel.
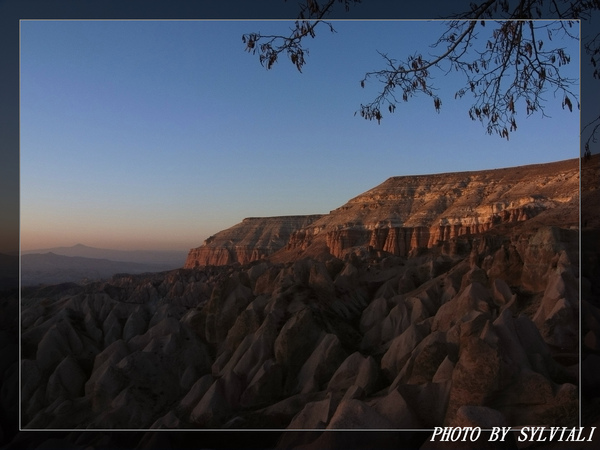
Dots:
pixel 508 60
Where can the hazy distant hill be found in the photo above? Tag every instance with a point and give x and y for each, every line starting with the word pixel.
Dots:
pixel 50 268
pixel 173 259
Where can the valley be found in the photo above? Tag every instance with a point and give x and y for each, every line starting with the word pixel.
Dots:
pixel 442 300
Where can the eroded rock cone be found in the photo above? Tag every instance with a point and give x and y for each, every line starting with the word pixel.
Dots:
pixel 427 301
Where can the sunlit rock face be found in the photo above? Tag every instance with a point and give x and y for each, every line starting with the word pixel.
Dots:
pixel 406 214
pixel 253 239
pixel 362 326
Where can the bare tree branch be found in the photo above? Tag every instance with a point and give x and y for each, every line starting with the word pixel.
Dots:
pixel 269 47
pixel 520 59
pixel 514 67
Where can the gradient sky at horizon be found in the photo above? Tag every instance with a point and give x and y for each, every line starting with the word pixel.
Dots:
pixel 157 134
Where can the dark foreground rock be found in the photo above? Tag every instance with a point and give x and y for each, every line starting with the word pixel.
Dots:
pixel 305 345
pixel 480 331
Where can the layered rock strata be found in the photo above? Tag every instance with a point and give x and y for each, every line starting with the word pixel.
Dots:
pixel 405 214
pixel 253 239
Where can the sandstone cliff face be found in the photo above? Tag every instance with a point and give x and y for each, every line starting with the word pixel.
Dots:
pixel 252 239
pixel 404 214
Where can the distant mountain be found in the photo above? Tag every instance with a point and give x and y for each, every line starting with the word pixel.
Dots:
pixel 50 268
pixel 174 259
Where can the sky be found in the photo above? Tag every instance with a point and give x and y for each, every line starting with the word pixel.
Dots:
pixel 158 134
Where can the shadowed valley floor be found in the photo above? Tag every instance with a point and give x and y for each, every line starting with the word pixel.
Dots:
pixel 448 299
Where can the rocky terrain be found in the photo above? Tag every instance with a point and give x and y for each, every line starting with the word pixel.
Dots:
pixel 253 239
pixel 406 214
pixel 434 300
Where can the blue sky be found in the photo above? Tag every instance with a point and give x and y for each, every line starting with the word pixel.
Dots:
pixel 157 134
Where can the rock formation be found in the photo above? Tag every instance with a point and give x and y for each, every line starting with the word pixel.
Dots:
pixel 405 214
pixel 253 239
pixel 427 301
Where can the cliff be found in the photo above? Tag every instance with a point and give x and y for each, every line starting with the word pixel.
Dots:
pixel 407 213
pixel 252 239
